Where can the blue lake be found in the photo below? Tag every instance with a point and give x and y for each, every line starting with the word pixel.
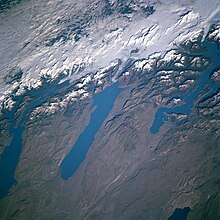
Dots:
pixel 189 98
pixel 11 154
pixel 180 214
pixel 104 102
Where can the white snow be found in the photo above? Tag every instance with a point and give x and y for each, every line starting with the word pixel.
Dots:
pixel 27 27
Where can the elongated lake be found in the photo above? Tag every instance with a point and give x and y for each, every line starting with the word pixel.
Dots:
pixel 189 98
pixel 104 102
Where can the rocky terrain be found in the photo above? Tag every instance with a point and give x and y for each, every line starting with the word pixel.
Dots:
pixel 157 150
pixel 128 173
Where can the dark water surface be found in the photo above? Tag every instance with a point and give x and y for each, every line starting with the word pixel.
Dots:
pixel 104 102
pixel 189 98
pixel 180 214
pixel 11 154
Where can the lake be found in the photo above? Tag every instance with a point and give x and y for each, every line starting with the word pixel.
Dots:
pixel 190 97
pixel 103 102
pixel 180 214
pixel 11 154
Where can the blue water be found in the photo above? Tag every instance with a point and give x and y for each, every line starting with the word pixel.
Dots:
pixel 11 154
pixel 180 214
pixel 104 102
pixel 189 98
